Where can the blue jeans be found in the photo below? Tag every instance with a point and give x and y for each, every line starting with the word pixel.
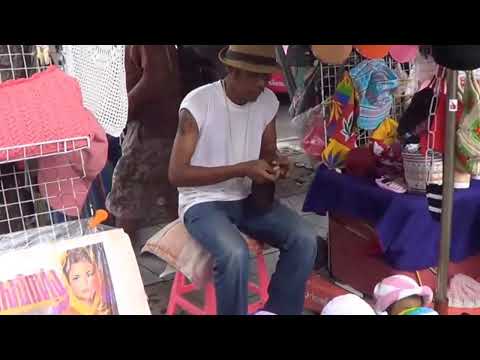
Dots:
pixel 216 225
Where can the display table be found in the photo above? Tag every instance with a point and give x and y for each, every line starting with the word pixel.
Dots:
pixel 407 234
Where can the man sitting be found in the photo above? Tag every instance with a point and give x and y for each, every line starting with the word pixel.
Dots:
pixel 226 140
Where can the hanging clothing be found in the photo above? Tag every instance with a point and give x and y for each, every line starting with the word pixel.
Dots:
pixel 100 71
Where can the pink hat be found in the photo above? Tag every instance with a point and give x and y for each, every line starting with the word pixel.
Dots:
pixel 398 287
pixel 348 304
pixel 264 313
pixel 403 53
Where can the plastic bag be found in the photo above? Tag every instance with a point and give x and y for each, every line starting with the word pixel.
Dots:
pixel 314 142
pixel 311 127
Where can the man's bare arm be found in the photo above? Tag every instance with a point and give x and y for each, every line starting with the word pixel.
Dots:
pixel 181 173
pixel 269 150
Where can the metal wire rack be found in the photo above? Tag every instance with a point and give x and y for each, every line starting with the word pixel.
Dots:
pixel 26 201
pixel 331 75
pixel 22 61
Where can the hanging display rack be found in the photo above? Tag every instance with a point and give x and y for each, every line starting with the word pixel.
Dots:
pixel 24 199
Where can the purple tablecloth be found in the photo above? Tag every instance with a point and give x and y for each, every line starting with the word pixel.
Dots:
pixel 408 234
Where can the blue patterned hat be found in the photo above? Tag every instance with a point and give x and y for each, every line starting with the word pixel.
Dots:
pixel 375 82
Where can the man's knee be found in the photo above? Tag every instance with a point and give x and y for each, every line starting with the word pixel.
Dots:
pixel 235 255
pixel 305 241
pixel 216 233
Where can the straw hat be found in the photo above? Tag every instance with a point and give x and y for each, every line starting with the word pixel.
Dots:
pixel 332 54
pixel 254 58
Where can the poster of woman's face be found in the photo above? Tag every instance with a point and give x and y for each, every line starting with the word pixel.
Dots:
pixel 88 281
pixel 96 274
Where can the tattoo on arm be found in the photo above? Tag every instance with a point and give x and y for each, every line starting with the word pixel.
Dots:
pixel 186 123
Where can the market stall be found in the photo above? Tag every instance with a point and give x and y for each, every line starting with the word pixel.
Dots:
pixel 381 173
pixel 391 133
pixel 53 147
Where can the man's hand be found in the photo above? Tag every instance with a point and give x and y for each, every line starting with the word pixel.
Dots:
pixel 282 165
pixel 260 171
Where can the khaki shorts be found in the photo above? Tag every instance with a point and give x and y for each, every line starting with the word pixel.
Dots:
pixel 140 188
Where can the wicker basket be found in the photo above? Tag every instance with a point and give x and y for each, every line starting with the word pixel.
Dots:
pixel 416 170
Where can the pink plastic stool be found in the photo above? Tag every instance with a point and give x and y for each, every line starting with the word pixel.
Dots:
pixel 181 287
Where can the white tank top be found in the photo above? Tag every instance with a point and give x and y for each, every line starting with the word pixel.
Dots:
pixel 220 144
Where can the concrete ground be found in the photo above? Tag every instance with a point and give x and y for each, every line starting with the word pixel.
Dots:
pixel 291 192
pixel 284 130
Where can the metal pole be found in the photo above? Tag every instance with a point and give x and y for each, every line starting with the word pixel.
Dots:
pixel 441 302
pixel 287 73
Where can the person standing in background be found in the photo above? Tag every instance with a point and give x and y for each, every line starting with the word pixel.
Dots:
pixel 141 195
